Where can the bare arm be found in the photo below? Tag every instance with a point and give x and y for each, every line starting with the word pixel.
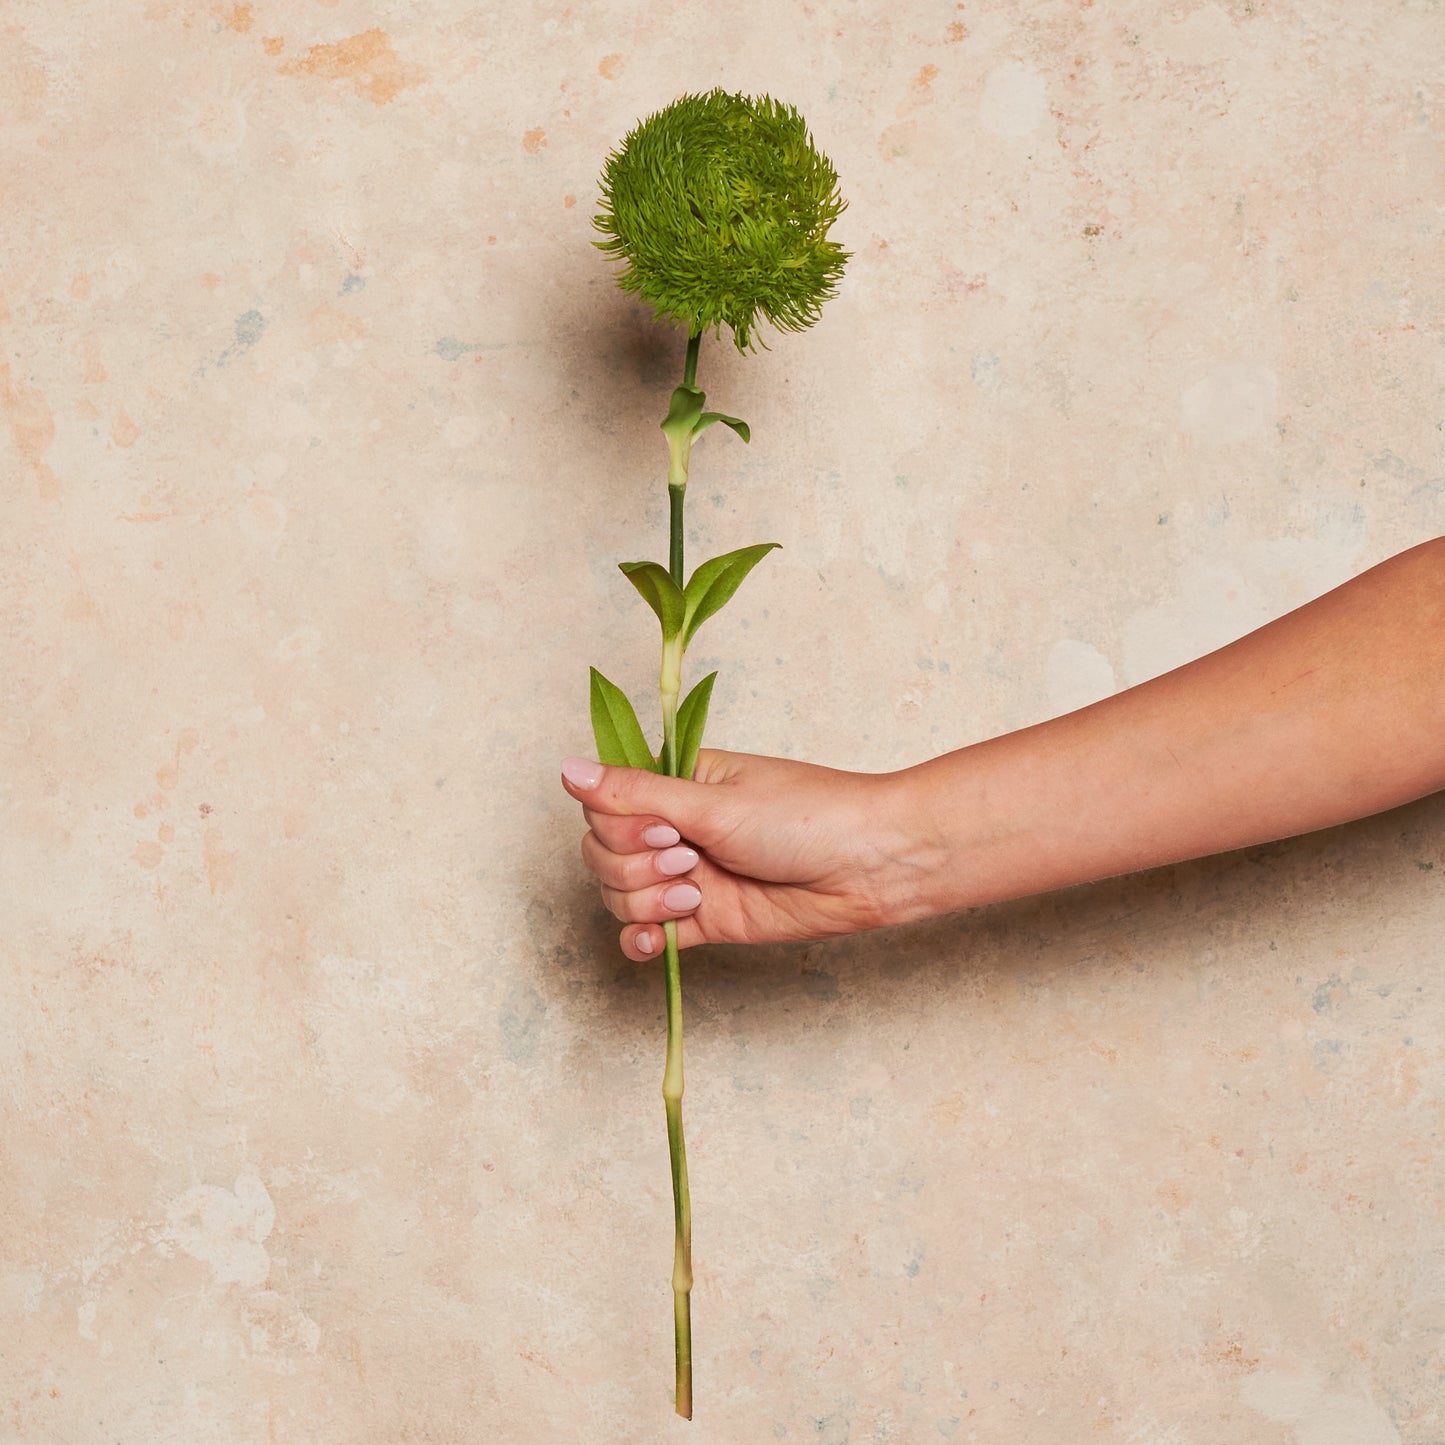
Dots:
pixel 1333 712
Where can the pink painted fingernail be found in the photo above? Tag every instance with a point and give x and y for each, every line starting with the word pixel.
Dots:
pixel 660 836
pixel 676 860
pixel 682 897
pixel 644 943
pixel 582 772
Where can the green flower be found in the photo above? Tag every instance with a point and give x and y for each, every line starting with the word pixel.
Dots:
pixel 720 206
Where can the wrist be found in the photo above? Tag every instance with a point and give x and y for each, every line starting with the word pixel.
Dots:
pixel 965 832
pixel 918 852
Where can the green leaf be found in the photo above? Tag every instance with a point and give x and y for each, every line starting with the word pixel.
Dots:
pixel 660 593
pixel 710 587
pixel 691 719
pixel 709 417
pixel 683 410
pixel 620 743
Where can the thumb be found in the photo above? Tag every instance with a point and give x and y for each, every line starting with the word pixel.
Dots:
pixel 630 792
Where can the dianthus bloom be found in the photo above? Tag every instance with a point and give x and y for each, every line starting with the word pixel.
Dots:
pixel 720 206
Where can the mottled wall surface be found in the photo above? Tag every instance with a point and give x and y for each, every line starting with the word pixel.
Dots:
pixel 330 1109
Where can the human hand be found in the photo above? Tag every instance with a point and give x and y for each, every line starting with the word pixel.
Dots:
pixel 752 850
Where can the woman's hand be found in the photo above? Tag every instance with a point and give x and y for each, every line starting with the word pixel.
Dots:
pixel 753 850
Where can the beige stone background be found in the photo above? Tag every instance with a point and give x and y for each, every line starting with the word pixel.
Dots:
pixel 331 1110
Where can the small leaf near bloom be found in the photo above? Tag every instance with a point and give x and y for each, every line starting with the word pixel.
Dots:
pixel 720 206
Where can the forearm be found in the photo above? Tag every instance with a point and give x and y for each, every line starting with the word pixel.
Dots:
pixel 1333 712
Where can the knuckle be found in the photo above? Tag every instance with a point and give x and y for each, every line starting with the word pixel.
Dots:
pixel 643 870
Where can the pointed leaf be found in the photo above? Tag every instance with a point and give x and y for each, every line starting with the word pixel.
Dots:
pixel 620 743
pixel 691 720
pixel 659 591
pixel 709 417
pixel 710 587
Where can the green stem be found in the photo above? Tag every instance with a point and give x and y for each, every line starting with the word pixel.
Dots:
pixel 681 1200
pixel 671 674
pixel 675 497
pixel 672 1074
pixel 676 494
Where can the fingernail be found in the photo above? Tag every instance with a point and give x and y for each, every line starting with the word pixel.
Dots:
pixel 682 897
pixel 582 772
pixel 644 943
pixel 660 836
pixel 676 860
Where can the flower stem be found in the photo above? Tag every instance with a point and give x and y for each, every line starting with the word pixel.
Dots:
pixel 675 497
pixel 672 1074
pixel 681 1200
pixel 676 494
pixel 670 684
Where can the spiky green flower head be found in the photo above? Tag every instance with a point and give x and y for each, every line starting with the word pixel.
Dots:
pixel 720 206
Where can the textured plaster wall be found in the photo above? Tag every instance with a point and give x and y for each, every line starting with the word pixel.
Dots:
pixel 330 1111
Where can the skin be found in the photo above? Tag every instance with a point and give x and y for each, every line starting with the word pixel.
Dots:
pixel 1333 712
